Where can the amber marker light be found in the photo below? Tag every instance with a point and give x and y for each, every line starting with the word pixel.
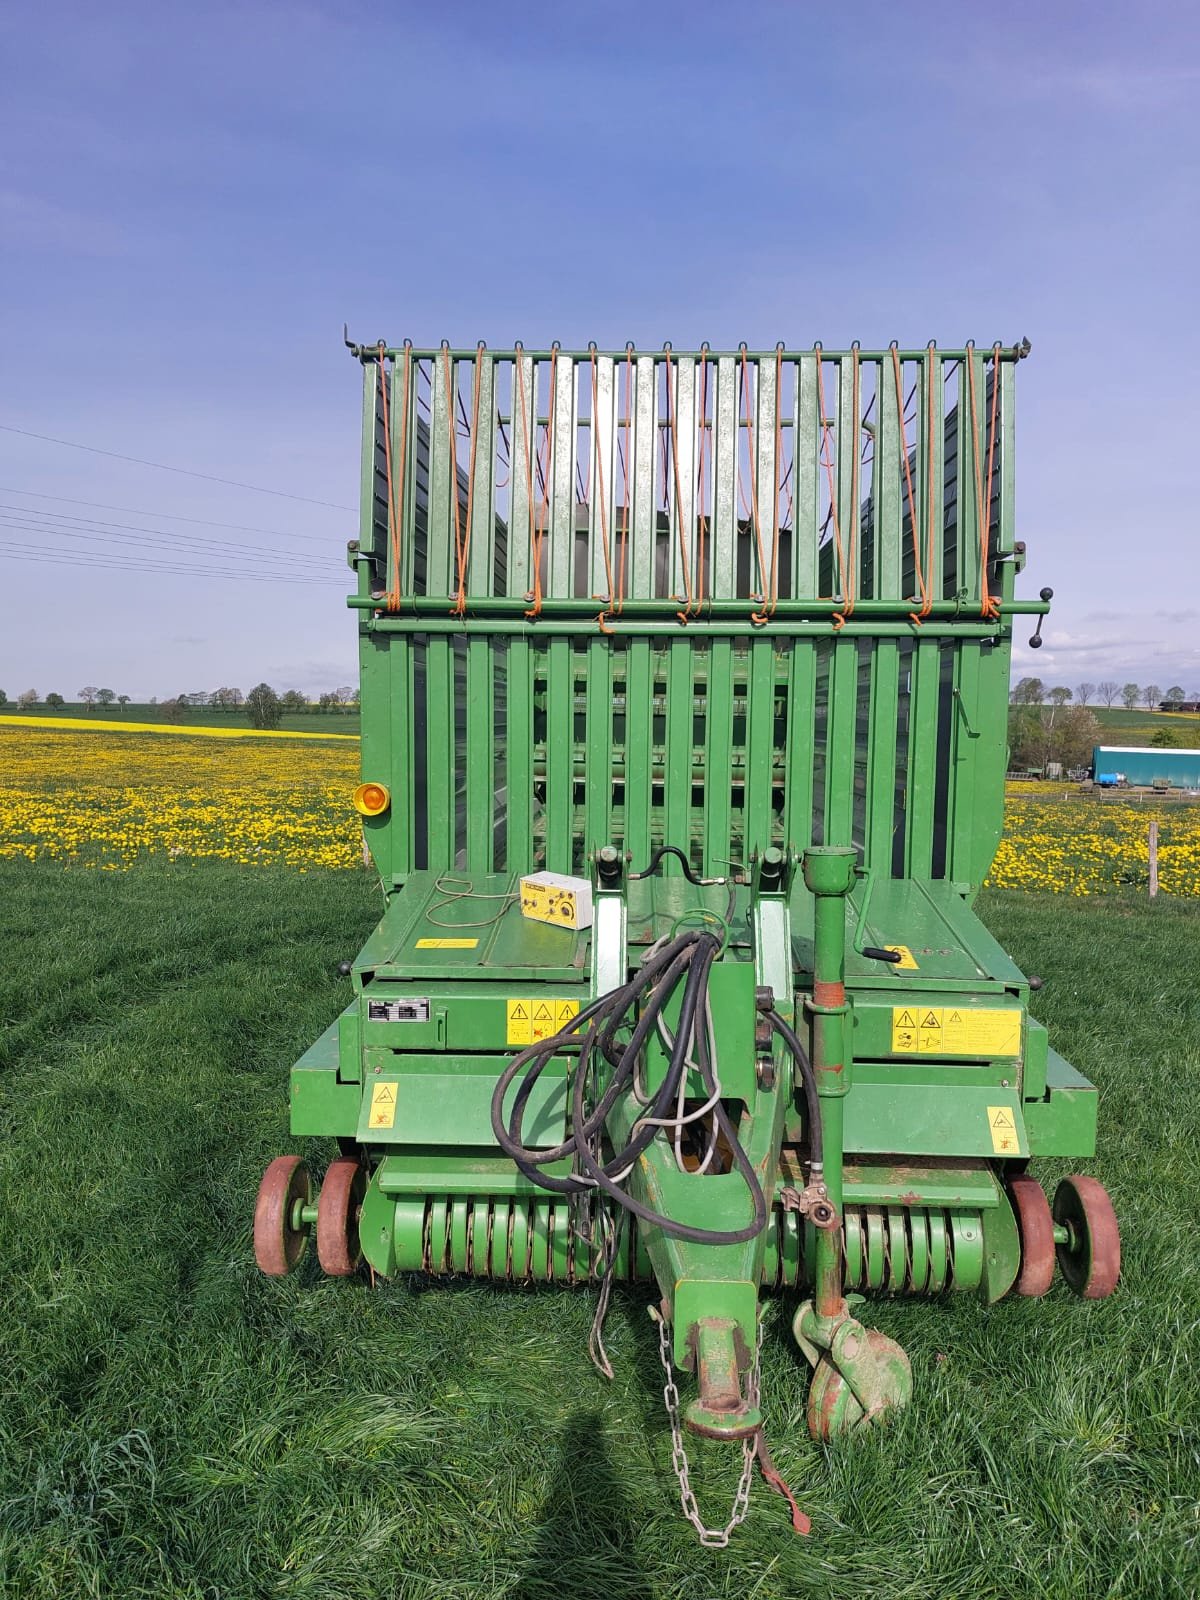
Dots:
pixel 371 799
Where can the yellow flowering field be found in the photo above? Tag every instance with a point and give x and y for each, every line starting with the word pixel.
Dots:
pixel 110 799
pixel 1059 839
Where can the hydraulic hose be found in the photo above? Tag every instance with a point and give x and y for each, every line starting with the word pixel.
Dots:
pixel 687 958
pixel 808 1078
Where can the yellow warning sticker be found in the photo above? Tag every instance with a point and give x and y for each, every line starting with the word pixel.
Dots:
pixel 446 944
pixel 907 961
pixel 383 1106
pixel 534 1017
pixel 1003 1128
pixel 955 1031
pixel 520 1022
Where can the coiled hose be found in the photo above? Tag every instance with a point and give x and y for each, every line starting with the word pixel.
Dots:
pixel 687 959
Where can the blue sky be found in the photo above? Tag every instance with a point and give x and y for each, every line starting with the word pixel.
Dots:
pixel 194 198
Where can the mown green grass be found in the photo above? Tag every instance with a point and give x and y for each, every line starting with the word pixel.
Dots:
pixel 175 1425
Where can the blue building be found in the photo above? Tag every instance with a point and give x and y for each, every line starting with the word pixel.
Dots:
pixel 1141 767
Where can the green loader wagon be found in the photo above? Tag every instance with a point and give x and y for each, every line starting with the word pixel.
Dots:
pixel 684 689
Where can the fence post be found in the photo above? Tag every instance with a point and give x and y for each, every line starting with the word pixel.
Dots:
pixel 1153 859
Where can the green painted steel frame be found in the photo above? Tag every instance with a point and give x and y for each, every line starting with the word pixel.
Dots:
pixel 515 740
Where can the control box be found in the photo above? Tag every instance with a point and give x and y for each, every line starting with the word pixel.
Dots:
pixel 553 897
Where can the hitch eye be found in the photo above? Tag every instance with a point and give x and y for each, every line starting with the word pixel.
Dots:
pixel 371 799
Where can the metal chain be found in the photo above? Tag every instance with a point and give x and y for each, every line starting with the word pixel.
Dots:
pixel 712 1538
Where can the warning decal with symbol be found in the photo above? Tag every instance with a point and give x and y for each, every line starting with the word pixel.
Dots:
pixel 529 1018
pixel 1003 1127
pixel 907 961
pixel 956 1031
pixel 383 1106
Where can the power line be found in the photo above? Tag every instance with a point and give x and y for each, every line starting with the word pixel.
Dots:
pixel 166 516
pixel 117 563
pixel 161 466
pixel 89 528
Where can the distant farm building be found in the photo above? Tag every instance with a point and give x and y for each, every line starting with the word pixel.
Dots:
pixel 1146 768
pixel 1179 705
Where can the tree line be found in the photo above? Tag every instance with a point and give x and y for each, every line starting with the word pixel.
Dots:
pixel 1050 723
pixel 263 705
pixel 1032 691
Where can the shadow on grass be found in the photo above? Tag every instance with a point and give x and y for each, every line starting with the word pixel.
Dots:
pixel 585 1543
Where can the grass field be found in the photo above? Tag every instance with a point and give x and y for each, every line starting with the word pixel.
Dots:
pixel 175 1425
pixel 1137 727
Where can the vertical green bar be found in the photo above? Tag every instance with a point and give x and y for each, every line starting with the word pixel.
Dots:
pixel 848 431
pixel 922 758
pixel 961 822
pixel 518 757
pixel 990 757
pixel 759 741
pixel 480 706
pixel 560 745
pixel 561 512
pixel 839 759
pixel 718 753
pixel 1005 469
pixel 481 754
pixel 723 529
pixel 598 743
pixel 888 487
pixel 971 456
pixel 642 444
pixel 767 470
pixel 801 718
pixel 439 734
pixel 721 472
pixel 638 753
pixel 682 373
pixel 806 445
pixel 522 450
pixel 443 489
pixel 482 559
pixel 602 519
pixel 881 755
pixel 677 752
pixel 933 441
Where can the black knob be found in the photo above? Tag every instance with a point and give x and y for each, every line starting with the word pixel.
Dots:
pixel 345 968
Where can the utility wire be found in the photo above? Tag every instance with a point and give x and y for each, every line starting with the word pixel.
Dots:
pixel 168 516
pixel 118 563
pixel 151 536
pixel 161 466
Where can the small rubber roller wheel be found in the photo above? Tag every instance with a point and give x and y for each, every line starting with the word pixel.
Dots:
pixel 1036 1228
pixel 338 1208
pixel 1090 1258
pixel 278 1246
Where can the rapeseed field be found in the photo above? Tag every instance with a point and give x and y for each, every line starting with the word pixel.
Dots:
pixel 109 800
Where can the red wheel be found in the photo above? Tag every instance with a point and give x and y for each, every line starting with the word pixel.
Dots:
pixel 1036 1228
pixel 1090 1257
pixel 278 1244
pixel 338 1207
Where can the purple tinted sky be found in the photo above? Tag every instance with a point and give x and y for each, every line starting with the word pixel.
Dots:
pixel 194 198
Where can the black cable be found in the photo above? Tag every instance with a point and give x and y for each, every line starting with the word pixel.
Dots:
pixel 669 850
pixel 691 954
pixel 808 1078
